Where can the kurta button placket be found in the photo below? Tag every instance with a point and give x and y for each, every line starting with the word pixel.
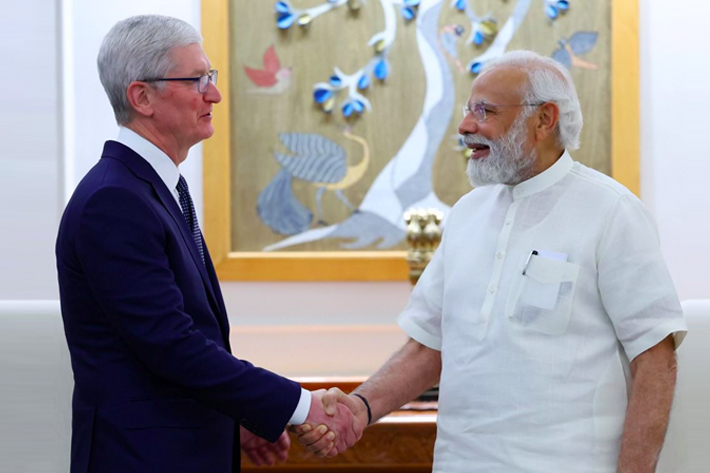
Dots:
pixel 501 250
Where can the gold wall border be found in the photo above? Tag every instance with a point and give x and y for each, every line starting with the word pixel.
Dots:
pixel 378 265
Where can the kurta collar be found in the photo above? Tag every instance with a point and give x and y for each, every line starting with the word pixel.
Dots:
pixel 545 179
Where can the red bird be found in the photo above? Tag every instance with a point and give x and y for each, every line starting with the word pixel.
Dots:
pixel 273 79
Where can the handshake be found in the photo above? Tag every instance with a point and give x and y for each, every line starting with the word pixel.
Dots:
pixel 335 422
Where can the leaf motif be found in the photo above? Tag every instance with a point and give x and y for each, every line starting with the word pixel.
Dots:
pixel 489 27
pixel 583 41
pixel 562 56
pixel 271 60
pixel 260 78
pixel 328 105
pixel 304 20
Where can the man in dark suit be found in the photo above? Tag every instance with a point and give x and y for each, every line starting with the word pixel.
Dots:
pixel 156 386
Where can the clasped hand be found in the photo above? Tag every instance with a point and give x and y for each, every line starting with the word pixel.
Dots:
pixel 334 423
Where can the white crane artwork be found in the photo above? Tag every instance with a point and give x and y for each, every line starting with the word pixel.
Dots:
pixel 405 182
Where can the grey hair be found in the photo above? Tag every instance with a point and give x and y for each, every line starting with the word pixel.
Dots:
pixel 548 81
pixel 139 48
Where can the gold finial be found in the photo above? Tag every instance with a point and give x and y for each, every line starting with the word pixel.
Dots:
pixel 423 235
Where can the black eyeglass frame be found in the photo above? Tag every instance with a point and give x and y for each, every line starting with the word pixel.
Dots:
pixel 211 77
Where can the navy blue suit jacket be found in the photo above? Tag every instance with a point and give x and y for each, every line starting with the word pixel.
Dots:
pixel 156 387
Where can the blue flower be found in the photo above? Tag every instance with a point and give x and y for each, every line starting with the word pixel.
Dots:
pixel 563 5
pixel 551 12
pixel 478 38
pixel 282 7
pixel 476 67
pixel 382 70
pixel 408 13
pixel 348 109
pixel 321 95
pixel 364 82
pixel 285 20
pixel 359 106
pixel 335 81
pixel 461 5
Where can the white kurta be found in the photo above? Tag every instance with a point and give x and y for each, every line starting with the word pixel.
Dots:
pixel 535 366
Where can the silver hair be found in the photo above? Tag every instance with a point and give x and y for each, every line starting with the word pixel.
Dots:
pixel 548 81
pixel 139 48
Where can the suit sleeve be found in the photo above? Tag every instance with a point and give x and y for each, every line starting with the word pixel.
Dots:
pixel 121 245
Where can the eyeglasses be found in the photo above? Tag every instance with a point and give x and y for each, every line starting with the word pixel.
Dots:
pixel 202 81
pixel 480 109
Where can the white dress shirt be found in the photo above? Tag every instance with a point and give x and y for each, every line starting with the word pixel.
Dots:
pixel 169 173
pixel 535 366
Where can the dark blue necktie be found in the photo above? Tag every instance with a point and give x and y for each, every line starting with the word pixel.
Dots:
pixel 188 211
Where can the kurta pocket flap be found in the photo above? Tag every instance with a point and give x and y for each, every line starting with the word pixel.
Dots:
pixel 549 271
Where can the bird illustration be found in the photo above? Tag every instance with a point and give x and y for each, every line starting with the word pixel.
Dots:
pixel 314 159
pixel 272 79
pixel 448 37
pixel 580 42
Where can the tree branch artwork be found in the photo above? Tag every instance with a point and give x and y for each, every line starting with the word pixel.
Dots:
pixel 405 182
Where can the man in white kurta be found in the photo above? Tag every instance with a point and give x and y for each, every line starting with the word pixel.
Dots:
pixel 533 365
pixel 547 314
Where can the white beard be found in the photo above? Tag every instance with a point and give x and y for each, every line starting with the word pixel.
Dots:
pixel 507 162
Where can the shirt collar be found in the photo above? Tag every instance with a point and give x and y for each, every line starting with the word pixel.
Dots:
pixel 159 161
pixel 545 179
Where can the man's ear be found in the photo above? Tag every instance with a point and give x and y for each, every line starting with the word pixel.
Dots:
pixel 141 96
pixel 549 116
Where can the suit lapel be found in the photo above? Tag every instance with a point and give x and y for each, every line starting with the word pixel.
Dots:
pixel 145 171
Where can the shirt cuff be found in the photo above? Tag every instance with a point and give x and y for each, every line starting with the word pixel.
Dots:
pixel 302 409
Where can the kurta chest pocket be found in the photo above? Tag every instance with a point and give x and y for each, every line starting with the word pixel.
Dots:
pixel 541 299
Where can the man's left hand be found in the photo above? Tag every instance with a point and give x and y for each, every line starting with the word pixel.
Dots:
pixel 262 452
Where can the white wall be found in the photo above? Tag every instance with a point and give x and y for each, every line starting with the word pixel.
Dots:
pixel 674 129
pixel 29 143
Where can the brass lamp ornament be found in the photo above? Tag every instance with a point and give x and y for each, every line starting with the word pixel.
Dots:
pixel 423 235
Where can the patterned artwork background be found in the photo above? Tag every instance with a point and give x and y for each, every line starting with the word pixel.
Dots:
pixel 344 112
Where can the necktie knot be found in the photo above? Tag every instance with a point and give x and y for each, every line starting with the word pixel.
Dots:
pixel 188 212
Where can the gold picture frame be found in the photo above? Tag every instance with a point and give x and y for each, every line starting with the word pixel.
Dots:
pixel 378 265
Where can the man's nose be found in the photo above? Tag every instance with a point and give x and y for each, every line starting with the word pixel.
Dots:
pixel 468 125
pixel 212 94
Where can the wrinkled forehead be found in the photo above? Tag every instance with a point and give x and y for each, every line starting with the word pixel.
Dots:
pixel 500 85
